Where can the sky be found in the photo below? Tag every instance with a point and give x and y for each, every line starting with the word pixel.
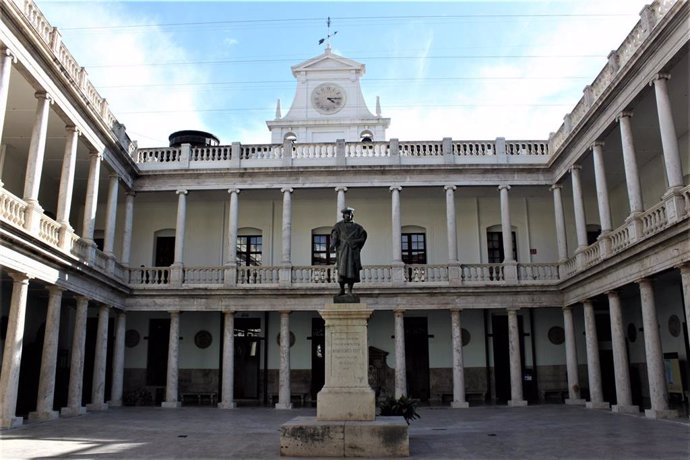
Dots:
pixel 470 70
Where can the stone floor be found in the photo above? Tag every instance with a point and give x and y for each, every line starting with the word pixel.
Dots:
pixel 545 431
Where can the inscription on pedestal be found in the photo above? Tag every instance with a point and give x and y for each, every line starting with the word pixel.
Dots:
pixel 345 353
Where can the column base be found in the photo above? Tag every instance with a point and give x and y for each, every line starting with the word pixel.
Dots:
pixel 281 406
pixel 517 403
pixel 227 405
pixel 171 404
pixel 459 404
pixel 72 411
pixel 625 409
pixel 41 416
pixel 97 406
pixel 12 422
pixel 598 405
pixel 664 413
pixel 575 402
pixel 117 403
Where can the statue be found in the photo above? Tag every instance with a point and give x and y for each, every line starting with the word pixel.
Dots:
pixel 347 238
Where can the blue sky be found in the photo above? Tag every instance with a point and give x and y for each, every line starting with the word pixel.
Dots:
pixel 461 69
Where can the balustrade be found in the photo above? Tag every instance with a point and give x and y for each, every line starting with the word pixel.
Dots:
pixel 426 273
pixel 480 148
pixel 261 152
pixel 620 239
pixel 569 267
pixel 257 275
pixel 215 153
pixel 101 261
pixel 49 230
pixel 527 148
pixel 312 151
pixel 654 219
pixel 149 275
pixel 367 150
pixel 538 272
pixel 158 155
pixel 591 255
pixel 12 209
pixel 482 272
pixel 314 274
pixel 203 275
pixel 376 274
pixel 421 149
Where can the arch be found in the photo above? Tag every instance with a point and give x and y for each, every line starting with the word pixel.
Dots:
pixel 366 136
pixel 412 229
pixel 290 136
pixel 163 247
pixel 494 243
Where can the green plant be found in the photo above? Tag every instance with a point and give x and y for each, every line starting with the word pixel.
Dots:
pixel 404 406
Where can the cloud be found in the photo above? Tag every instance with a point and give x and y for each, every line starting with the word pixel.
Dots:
pixel 231 42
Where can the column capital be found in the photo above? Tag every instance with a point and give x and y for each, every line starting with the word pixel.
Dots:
pixel 341 188
pixel 456 310
pixel 586 301
pixel 81 298
pixel 512 310
pixel 285 312
pixel 181 192
pixel 624 114
pixel 131 193
pixel 234 190
pixel 20 277
pixel 612 292
pixel 643 281
pixel 555 187
pixel 53 288
pixel 399 312
pixel 504 187
pixel 174 312
pixel 8 53
pixel 599 144
pixel 575 168
pixel 73 129
pixel 395 187
pixel 96 154
pixel 449 187
pixel 567 308
pixel 229 312
pixel 114 175
pixel 659 76
pixel 286 189
pixel 684 267
pixel 43 95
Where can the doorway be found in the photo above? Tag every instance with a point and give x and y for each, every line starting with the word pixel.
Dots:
pixel 501 346
pixel 417 358
pixel 157 355
pixel 318 350
pixel 247 357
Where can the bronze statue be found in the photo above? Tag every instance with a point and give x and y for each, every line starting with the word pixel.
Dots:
pixel 347 238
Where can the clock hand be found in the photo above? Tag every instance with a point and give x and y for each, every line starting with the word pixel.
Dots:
pixel 334 99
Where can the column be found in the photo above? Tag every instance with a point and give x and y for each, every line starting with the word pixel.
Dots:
pixel 180 226
pixel 46 381
pixel 118 360
pixel 12 353
pixel 596 397
pixel 284 391
pixel 69 161
pixel 111 216
pixel 458 364
pixel 395 223
pixel 578 203
pixel 98 385
pixel 602 188
pixel 571 359
pixel 515 361
pixel 91 202
pixel 685 284
pixel 6 61
pixel 34 164
pixel 669 140
pixel 632 177
pixel 233 224
pixel 287 225
pixel 127 231
pixel 228 383
pixel 400 365
pixel 620 358
pixel 506 227
pixel 450 224
pixel 171 401
pixel 560 223
pixel 340 202
pixel 76 368
pixel 658 392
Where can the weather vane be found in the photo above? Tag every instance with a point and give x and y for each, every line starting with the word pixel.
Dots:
pixel 329 34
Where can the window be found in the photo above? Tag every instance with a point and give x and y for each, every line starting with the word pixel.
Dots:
pixel 414 248
pixel 321 253
pixel 494 246
pixel 249 250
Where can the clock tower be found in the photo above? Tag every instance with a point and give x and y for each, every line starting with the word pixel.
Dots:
pixel 328 104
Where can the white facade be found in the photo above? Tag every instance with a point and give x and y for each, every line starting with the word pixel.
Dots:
pixel 600 212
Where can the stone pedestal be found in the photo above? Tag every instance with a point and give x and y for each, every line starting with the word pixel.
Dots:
pixel 620 409
pixel 345 424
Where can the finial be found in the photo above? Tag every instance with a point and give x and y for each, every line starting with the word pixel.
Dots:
pixel 328 35
pixel 278 115
pixel 378 107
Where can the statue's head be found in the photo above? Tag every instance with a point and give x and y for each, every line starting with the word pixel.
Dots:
pixel 348 214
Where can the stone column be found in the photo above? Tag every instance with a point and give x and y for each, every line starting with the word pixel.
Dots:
pixel 118 360
pixel 99 365
pixel 285 272
pixel 34 164
pixel 620 358
pixel 6 60
pixel 69 162
pixel 396 235
pixel 171 401
pixel 91 202
pixel 12 353
pixel 284 391
pixel 180 226
pixel 571 359
pixel 560 223
pixel 76 368
pixel 400 365
pixel 602 188
pixel 340 202
pixel 127 231
pixel 596 397
pixel 450 224
pixel 578 203
pixel 46 382
pixel 228 383
pixel 669 140
pixel 632 178
pixel 459 401
pixel 506 227
pixel 233 224
pixel 515 361
pixel 111 216
pixel 658 392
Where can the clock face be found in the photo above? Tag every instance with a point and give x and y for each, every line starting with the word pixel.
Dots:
pixel 328 98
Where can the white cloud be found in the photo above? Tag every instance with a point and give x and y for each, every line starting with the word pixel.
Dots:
pixel 231 42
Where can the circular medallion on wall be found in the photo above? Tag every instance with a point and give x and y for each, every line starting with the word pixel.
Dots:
pixel 203 339
pixel 132 338
pixel 328 98
pixel 674 325
pixel 632 332
pixel 292 339
pixel 466 336
pixel 556 335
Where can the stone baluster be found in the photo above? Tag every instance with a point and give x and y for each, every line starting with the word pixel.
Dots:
pixel 400 365
pixel 69 162
pixel 118 360
pixel 171 400
pixel 571 358
pixel 99 362
pixel 46 381
pixel 560 223
pixel 228 382
pixel 284 391
pixel 596 397
pixel 34 164
pixel 620 358
pixel 459 401
pixel 76 368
